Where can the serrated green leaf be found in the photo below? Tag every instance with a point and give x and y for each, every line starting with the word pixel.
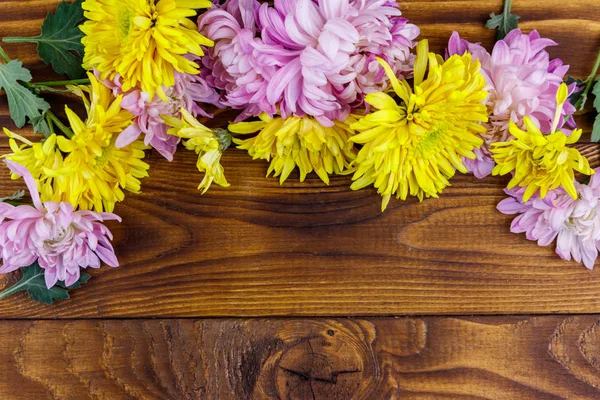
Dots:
pixel 596 129
pixel 576 96
pixel 34 284
pixel 41 125
pixel 83 279
pixel 504 23
pixel 596 93
pixel 22 103
pixel 16 196
pixel 61 37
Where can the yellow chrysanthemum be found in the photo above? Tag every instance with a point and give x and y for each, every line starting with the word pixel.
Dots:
pixel 414 144
pixel 298 142
pixel 36 157
pixel 144 41
pixel 87 170
pixel 209 145
pixel 539 161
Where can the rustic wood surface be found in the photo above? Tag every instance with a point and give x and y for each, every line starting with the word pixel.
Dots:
pixel 260 249
pixel 537 358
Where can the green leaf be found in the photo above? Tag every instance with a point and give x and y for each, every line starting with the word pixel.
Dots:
pixel 16 196
pixel 60 41
pixel 22 103
pixel 596 129
pixel 33 282
pixel 41 125
pixel 83 279
pixel 504 22
pixel 570 79
pixel 576 96
pixel 596 93
pixel 60 37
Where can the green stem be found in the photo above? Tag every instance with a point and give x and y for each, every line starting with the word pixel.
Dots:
pixel 507 5
pixel 62 83
pixel 17 287
pixel 590 82
pixel 50 124
pixel 64 129
pixel 4 56
pixel 19 39
pixel 506 12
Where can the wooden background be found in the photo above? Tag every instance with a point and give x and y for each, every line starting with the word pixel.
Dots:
pixel 444 302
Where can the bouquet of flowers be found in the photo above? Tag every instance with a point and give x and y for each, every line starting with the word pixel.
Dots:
pixel 323 86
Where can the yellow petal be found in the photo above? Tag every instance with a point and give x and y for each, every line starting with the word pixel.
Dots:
pixel 246 127
pixel 421 61
pixel 380 100
pixel 400 90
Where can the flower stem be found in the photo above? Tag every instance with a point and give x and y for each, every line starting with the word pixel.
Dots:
pixel 50 124
pixel 17 287
pixel 64 129
pixel 500 33
pixel 62 83
pixel 507 5
pixel 4 56
pixel 19 39
pixel 589 82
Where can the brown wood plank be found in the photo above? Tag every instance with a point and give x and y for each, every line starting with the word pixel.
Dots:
pixel 259 249
pixel 538 358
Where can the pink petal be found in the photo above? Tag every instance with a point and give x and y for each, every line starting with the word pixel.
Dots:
pixel 18 169
pixel 128 136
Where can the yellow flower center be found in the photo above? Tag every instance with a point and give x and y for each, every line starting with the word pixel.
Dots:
pixel 430 141
pixel 104 158
pixel 124 21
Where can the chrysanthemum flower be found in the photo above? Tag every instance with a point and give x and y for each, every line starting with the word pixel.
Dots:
pixel 37 157
pixel 59 238
pixel 522 81
pixel 144 41
pixel 233 65
pixel 188 92
pixel 414 143
pixel 539 162
pixel 209 145
pixel 575 222
pixel 93 172
pixel 298 142
pixel 304 57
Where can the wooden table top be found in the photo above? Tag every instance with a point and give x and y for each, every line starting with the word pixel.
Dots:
pixel 445 302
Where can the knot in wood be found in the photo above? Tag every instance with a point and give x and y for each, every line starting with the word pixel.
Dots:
pixel 330 362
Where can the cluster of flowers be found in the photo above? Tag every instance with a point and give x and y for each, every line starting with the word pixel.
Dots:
pixel 324 86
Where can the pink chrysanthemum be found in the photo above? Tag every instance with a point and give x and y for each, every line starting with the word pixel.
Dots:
pixel 188 92
pixel 304 57
pixel 575 222
pixel 60 239
pixel 522 81
pixel 232 65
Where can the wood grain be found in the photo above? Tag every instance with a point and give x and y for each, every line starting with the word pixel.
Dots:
pixel 539 358
pixel 260 249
